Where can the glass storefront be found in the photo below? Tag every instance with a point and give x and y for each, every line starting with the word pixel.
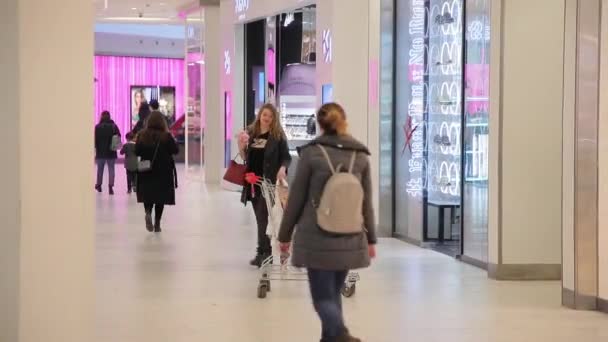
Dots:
pixel 441 124
pixel 195 105
pixel 476 132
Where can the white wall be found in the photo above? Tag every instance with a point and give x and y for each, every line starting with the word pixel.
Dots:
pixel 262 8
pixel 526 132
pixel 532 132
pixel 603 162
pixel 214 98
pixel 138 46
pixel 350 31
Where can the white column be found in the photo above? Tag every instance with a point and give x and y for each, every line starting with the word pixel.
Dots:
pixel 350 62
pixel 602 233
pixel 570 52
pixel 353 69
pixel 47 208
pixel 373 103
pixel 526 139
pixel 214 134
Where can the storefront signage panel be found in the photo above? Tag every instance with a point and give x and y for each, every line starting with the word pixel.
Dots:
pixel 240 8
pixel 250 10
pixel 445 102
pixel 227 62
pixel 327 45
pixel 414 127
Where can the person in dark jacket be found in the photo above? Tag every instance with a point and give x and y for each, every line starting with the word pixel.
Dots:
pixel 156 187
pixel 131 161
pixel 144 113
pixel 155 107
pixel 105 131
pixel 267 155
pixel 327 257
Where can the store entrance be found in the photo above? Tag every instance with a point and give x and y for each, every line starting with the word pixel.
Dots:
pixel 280 67
pixel 255 74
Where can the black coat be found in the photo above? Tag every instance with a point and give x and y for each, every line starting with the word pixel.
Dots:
pixel 276 155
pixel 158 185
pixel 104 131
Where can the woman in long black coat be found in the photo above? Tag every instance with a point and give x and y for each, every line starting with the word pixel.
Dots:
pixel 156 187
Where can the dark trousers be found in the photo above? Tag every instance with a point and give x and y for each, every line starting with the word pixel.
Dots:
pixel 131 179
pixel 158 211
pixel 325 289
pixel 261 217
pixel 101 164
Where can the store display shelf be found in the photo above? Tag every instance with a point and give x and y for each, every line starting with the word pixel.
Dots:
pixel 297 99
pixel 300 112
pixel 479 124
pixel 477 179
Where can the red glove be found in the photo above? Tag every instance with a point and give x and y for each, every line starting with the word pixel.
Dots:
pixel 252 179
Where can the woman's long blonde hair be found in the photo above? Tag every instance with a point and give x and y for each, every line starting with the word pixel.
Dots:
pixel 276 130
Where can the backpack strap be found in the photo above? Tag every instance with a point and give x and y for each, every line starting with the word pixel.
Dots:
pixel 326 155
pixel 352 162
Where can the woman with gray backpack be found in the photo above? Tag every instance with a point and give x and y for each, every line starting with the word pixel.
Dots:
pixel 330 202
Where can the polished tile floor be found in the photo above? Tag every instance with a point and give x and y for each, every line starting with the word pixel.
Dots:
pixel 192 283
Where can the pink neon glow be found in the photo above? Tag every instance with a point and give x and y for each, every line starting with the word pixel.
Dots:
pixel 373 83
pixel 478 85
pixel 115 75
pixel 271 67
pixel 196 74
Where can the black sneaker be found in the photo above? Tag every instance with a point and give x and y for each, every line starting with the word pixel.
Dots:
pixel 347 338
pixel 111 190
pixel 256 261
pixel 98 188
pixel 157 228
pixel 259 260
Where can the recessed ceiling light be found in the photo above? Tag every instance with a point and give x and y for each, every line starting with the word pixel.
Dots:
pixel 134 8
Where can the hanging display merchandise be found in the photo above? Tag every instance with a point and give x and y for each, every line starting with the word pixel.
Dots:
pixel 444 102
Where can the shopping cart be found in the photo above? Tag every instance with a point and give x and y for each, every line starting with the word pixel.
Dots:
pixel 278 267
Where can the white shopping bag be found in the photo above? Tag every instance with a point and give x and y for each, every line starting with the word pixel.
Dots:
pixel 276 212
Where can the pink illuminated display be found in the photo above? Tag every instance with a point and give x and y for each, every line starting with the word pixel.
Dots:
pixel 115 75
pixel 271 67
pixel 478 86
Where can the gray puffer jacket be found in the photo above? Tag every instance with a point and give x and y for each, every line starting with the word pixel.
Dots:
pixel 312 247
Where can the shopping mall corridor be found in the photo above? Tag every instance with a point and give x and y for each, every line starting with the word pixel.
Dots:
pixel 193 283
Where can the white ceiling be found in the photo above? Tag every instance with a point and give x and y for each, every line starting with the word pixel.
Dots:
pixel 139 10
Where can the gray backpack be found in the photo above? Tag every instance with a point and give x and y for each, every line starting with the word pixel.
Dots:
pixel 115 144
pixel 340 209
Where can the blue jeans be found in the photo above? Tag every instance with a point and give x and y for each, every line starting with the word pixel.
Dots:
pixel 101 163
pixel 325 289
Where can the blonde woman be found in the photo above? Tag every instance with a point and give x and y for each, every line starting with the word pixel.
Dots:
pixel 328 257
pixel 266 152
